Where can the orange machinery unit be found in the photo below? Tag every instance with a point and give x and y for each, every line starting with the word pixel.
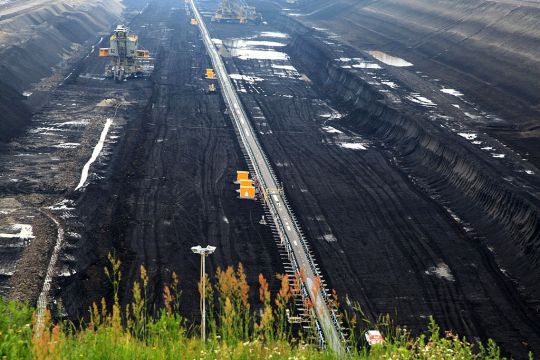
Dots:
pixel 210 74
pixel 247 192
pixel 242 175
pixel 247 182
pixel 143 54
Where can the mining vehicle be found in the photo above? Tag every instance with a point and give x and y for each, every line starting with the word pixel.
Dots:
pixel 236 10
pixel 125 55
pixel 212 88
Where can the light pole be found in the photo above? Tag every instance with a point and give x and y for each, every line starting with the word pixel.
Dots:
pixel 204 252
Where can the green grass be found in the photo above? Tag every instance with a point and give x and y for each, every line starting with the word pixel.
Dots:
pixel 235 330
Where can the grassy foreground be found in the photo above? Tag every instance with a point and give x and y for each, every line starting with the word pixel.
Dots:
pixel 235 330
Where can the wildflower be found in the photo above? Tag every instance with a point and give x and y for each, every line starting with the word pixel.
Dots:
pixel 167 299
pixel 264 294
pixel 144 276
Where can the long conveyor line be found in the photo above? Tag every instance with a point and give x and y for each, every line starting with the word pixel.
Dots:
pixel 327 325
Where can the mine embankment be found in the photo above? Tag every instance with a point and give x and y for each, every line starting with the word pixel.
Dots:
pixel 447 165
pixel 486 49
pixel 37 39
pixel 504 216
pixel 15 114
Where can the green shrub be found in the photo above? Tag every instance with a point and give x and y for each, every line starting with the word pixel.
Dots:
pixel 235 329
pixel 15 330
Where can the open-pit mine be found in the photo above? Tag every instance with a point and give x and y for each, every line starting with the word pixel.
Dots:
pixel 385 150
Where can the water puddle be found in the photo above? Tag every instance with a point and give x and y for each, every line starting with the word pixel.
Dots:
pixel 331 130
pixel 390 84
pixel 354 146
pixel 357 63
pixel 419 99
pixel 247 78
pixel 258 54
pixel 366 65
pixel 468 136
pixel 284 67
pixel 452 92
pixel 389 59
pixel 240 43
pixel 285 71
pixel 471 116
pixel 21 231
pixel 274 34
pixel 255 50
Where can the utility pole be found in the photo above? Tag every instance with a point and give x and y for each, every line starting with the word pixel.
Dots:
pixel 204 252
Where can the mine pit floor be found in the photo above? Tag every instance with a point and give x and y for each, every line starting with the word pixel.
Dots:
pixel 163 182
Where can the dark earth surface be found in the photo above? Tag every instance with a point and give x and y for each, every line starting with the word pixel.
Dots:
pixel 487 49
pixel 406 214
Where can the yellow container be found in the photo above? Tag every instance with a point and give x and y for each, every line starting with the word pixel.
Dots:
pixel 242 175
pixel 247 182
pixel 104 52
pixel 210 73
pixel 247 192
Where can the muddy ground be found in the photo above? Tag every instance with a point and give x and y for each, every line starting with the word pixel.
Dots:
pixel 410 207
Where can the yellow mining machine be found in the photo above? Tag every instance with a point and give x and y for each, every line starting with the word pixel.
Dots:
pixel 125 55
pixel 236 10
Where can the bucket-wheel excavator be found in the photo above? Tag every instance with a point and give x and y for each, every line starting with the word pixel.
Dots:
pixel 236 10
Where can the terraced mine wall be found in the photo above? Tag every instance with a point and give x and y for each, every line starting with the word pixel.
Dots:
pixel 452 171
pixel 486 49
pixel 36 39
pixel 495 42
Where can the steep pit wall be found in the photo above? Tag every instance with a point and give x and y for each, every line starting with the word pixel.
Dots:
pixel 35 41
pixel 36 38
pixel 13 113
pixel 505 218
pixel 491 43
pixel 488 50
